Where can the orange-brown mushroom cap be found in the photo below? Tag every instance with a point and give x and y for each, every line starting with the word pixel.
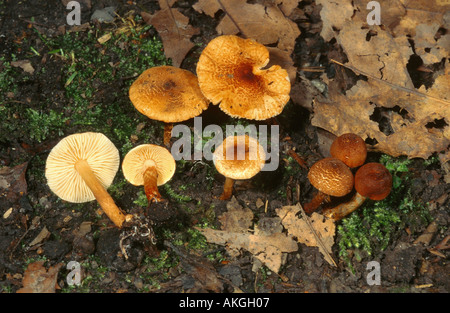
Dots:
pixel 239 157
pixel 137 160
pixel 350 149
pixel 331 176
pixel 374 181
pixel 168 94
pixel 230 72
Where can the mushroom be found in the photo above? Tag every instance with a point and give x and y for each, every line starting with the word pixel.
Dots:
pixel 80 168
pixel 373 181
pixel 331 177
pixel 168 94
pixel 151 166
pixel 230 72
pixel 350 149
pixel 238 157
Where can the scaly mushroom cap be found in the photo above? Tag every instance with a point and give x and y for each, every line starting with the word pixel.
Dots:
pixel 374 181
pixel 136 160
pixel 230 72
pixel 99 152
pixel 168 94
pixel 239 157
pixel 331 176
pixel 350 149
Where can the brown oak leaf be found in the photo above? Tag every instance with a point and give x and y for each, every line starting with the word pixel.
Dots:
pixel 174 29
pixel 37 279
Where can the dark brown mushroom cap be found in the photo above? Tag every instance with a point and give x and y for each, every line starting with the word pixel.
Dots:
pixel 350 149
pixel 168 94
pixel 231 72
pixel 331 176
pixel 373 181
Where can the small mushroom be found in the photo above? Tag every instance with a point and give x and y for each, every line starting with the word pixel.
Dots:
pixel 230 72
pixel 151 166
pixel 168 94
pixel 331 177
pixel 80 168
pixel 238 157
pixel 350 149
pixel 373 181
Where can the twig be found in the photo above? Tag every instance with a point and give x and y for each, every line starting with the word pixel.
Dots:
pixel 297 158
pixel 414 92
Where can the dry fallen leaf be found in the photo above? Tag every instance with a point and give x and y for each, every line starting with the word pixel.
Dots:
pixel 37 279
pixel 266 24
pixel 314 231
pixel 267 249
pixel 267 244
pixel 24 64
pixel 416 119
pixel 174 29
pixel 411 116
pixel 237 218
pixel 13 182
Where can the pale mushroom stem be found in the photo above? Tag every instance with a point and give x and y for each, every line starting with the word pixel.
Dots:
pixel 151 185
pixel 315 202
pixel 101 195
pixel 227 189
pixel 167 134
pixel 344 209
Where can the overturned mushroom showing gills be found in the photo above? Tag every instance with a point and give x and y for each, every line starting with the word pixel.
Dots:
pixel 80 168
pixel 373 181
pixel 151 166
pixel 168 94
pixel 230 72
pixel 331 177
pixel 350 149
pixel 238 157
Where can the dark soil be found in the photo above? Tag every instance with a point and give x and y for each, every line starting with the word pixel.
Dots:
pixel 405 266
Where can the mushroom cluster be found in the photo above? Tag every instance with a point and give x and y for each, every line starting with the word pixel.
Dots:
pixel 333 176
pixel 231 73
pixel 82 166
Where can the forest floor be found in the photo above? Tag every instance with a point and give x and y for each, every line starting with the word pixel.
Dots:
pixel 57 80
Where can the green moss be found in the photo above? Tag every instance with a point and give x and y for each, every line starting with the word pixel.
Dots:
pixel 373 226
pixel 43 124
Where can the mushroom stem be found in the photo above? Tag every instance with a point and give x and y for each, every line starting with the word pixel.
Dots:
pixel 227 189
pixel 167 134
pixel 103 198
pixel 150 183
pixel 315 202
pixel 344 209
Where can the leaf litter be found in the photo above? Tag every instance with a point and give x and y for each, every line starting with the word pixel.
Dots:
pixel 267 241
pixel 379 54
pixel 417 116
